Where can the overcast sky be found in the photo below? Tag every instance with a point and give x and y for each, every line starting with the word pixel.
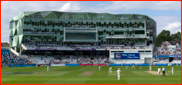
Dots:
pixel 167 14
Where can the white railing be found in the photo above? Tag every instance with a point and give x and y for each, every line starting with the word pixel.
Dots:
pixel 14 52
pixel 24 47
pixel 126 36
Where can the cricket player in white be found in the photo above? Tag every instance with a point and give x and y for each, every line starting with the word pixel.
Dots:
pixel 110 70
pixel 159 70
pixel 48 68
pixel 172 70
pixel 118 73
pixel 133 66
pixel 126 67
pixel 150 68
pixel 100 69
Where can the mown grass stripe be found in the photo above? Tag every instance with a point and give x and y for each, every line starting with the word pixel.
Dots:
pixel 70 75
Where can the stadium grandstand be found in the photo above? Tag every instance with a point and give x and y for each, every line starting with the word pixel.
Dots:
pixel 51 37
pixel 169 52
pixel 10 59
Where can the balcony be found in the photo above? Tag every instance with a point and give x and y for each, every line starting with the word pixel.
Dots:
pixel 39 33
pixel 126 36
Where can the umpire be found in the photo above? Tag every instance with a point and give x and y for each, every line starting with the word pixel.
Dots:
pixel 163 71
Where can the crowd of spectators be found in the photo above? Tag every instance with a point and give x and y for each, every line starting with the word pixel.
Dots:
pixel 85 59
pixel 73 46
pixel 8 58
pixel 88 45
pixel 167 51
pixel 177 51
pixel 70 59
pixel 162 51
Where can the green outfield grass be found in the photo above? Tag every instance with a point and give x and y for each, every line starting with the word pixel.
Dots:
pixel 88 75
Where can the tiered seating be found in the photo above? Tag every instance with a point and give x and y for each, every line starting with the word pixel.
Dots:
pixel 166 51
pixel 161 62
pixel 177 51
pixel 84 60
pixel 176 61
pixel 8 58
pixel 70 46
pixel 39 59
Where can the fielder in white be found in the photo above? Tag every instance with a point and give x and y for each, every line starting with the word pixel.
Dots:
pixel 150 68
pixel 133 66
pixel 126 67
pixel 159 70
pixel 172 70
pixel 100 69
pixel 110 70
pixel 118 73
pixel 48 68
